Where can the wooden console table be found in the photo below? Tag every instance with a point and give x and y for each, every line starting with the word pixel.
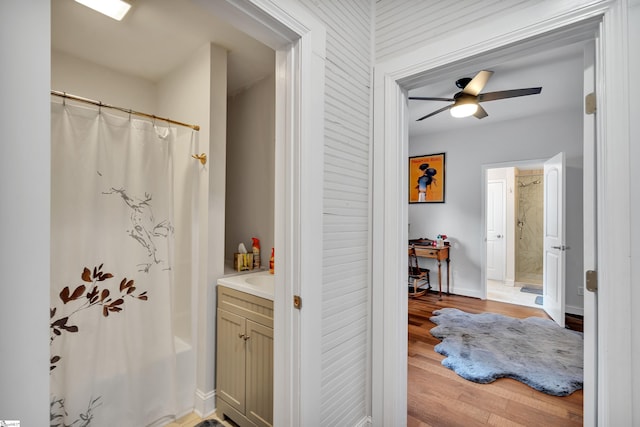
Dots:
pixel 438 254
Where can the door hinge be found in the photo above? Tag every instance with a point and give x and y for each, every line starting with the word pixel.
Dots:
pixel 297 302
pixel 592 280
pixel 590 103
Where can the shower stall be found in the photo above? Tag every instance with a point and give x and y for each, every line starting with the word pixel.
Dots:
pixel 125 193
pixel 529 227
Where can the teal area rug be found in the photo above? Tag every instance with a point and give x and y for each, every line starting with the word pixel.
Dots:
pixel 531 290
pixel 487 346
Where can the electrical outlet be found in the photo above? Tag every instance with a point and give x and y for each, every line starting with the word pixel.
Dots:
pixel 581 291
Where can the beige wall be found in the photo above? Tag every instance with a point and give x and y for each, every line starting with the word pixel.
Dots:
pixel 79 77
pixel 250 178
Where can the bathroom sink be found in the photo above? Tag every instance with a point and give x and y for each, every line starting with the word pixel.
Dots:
pixel 260 284
pixel 260 280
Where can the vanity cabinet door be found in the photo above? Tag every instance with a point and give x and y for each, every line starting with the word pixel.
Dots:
pixel 259 380
pixel 230 361
pixel 244 358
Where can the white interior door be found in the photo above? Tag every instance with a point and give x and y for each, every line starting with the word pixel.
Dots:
pixel 554 238
pixel 590 245
pixel 496 242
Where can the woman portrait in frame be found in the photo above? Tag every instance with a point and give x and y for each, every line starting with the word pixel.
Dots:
pixel 426 178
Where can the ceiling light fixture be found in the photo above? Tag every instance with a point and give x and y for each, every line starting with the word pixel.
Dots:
pixel 464 106
pixel 115 9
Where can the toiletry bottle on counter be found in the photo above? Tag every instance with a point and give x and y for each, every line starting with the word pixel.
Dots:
pixel 256 252
pixel 271 263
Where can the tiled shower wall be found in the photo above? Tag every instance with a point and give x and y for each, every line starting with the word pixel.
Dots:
pixel 529 223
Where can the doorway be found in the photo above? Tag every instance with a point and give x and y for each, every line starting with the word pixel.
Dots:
pixel 514 235
pixel 396 77
pixel 528 260
pixel 298 219
pixel 293 34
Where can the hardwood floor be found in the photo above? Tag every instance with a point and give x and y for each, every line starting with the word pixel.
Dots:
pixel 437 396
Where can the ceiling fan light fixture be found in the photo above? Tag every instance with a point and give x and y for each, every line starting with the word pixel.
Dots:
pixel 467 102
pixel 115 9
pixel 464 108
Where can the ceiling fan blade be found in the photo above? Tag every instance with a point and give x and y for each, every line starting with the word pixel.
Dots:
pixel 435 112
pixel 480 113
pixel 477 83
pixel 429 98
pixel 492 96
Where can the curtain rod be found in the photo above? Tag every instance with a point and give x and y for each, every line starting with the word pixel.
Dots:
pixel 124 110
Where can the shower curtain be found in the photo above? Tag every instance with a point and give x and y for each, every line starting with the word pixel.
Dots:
pixel 112 342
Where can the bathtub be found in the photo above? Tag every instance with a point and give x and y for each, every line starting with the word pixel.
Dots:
pixel 185 383
pixel 260 283
pixel 185 376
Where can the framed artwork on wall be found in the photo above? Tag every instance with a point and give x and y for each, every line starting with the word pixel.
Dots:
pixel 427 178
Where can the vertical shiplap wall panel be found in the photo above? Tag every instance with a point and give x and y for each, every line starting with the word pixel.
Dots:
pixel 345 293
pixel 402 25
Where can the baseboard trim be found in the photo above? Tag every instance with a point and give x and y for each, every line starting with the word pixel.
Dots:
pixel 365 422
pixel 205 403
pixel 578 311
pixel 473 293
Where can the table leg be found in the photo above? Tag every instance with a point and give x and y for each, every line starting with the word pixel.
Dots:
pixel 440 281
pixel 447 276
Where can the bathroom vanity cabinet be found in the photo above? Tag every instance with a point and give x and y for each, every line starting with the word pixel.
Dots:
pixel 244 362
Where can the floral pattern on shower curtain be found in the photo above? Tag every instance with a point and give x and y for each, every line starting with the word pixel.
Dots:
pixel 112 341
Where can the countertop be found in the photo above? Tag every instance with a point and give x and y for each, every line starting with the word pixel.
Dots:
pixel 260 284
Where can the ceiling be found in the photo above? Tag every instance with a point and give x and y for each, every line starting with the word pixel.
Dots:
pixel 154 38
pixel 558 71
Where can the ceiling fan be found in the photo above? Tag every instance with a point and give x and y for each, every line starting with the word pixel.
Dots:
pixel 466 102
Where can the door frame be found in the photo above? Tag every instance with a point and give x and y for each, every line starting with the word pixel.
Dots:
pixel 483 193
pixel 590 240
pixel 544 22
pixel 299 41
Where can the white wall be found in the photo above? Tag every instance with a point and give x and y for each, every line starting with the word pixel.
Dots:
pixel 533 138
pixel 250 180
pixel 634 113
pixel 403 24
pixel 25 156
pixel 346 285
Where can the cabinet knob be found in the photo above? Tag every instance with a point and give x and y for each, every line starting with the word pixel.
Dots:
pixel 243 336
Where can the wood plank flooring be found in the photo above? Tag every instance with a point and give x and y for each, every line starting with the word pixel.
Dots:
pixel 438 397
